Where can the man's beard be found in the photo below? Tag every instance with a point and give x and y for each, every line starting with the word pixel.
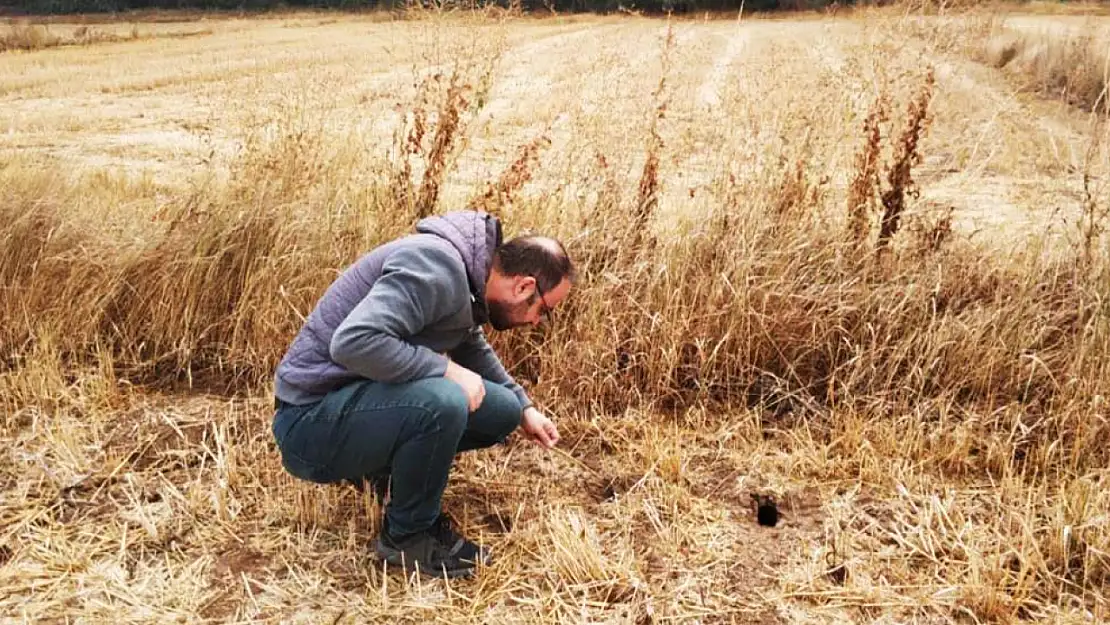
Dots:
pixel 501 314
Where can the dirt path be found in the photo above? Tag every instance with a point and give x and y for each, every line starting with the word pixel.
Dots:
pixel 1011 164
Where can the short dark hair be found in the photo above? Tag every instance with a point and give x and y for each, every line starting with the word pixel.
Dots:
pixel 540 257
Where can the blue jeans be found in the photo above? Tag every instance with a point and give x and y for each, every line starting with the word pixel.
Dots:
pixel 412 431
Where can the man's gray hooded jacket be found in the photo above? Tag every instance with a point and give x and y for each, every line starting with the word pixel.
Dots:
pixel 394 313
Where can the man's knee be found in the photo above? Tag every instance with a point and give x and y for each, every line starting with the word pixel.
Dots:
pixel 503 410
pixel 448 402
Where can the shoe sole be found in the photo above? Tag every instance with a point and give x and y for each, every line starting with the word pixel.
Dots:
pixel 393 558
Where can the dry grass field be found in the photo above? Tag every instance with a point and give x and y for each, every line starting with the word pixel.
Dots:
pixel 854 262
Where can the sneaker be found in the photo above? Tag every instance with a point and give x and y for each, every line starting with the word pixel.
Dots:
pixel 422 553
pixel 444 531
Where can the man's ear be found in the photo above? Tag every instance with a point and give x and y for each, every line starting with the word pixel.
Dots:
pixel 522 285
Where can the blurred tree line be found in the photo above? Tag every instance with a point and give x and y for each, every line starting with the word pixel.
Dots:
pixel 39 7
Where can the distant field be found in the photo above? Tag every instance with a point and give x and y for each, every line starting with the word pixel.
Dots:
pixel 923 394
pixel 167 107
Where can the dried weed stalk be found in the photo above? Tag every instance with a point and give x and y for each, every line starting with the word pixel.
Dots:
pixel 499 195
pixel 865 174
pixel 447 130
pixel 906 155
pixel 648 195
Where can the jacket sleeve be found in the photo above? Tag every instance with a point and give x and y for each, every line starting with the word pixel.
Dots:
pixel 476 354
pixel 417 287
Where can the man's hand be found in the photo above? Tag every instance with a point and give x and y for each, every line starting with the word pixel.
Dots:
pixel 470 382
pixel 539 428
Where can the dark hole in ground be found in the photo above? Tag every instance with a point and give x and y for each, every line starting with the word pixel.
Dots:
pixel 766 511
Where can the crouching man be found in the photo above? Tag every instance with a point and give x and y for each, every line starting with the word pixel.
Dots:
pixel 391 375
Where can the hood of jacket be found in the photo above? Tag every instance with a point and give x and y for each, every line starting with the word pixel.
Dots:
pixel 475 235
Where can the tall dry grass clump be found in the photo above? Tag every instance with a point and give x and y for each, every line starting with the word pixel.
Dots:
pixel 1068 65
pixel 47 273
pixel 1095 211
pixel 216 286
pixel 723 314
pixel 408 144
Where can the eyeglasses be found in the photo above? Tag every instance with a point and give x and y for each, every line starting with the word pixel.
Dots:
pixel 547 310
